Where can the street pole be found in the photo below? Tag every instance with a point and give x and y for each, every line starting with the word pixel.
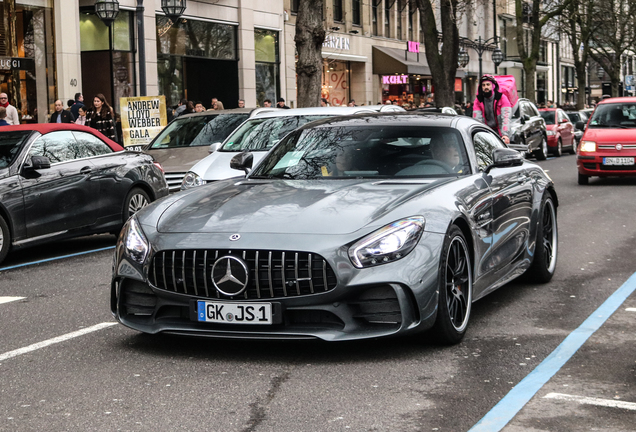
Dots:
pixel 142 47
pixel 480 52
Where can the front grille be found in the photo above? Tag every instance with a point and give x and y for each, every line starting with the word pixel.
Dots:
pixel 613 146
pixel 272 274
pixel 617 167
pixel 174 180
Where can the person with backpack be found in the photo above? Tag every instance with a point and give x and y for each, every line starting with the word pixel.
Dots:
pixel 492 107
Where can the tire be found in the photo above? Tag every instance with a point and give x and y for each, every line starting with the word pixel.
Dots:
pixel 455 289
pixel 584 180
pixel 542 152
pixel 559 149
pixel 546 245
pixel 573 146
pixel 136 199
pixel 5 239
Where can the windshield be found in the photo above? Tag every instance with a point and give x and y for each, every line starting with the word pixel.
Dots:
pixel 262 134
pixel 198 130
pixel 548 116
pixel 575 117
pixel 10 145
pixel 616 115
pixel 366 152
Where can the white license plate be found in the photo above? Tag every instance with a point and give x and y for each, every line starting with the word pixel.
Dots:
pixel 234 313
pixel 618 161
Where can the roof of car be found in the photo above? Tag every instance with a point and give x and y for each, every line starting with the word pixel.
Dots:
pixel 280 112
pixel 399 119
pixel 225 111
pixel 45 128
pixel 617 100
pixel 548 109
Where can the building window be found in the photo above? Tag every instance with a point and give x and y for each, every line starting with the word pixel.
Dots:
pixel 374 16
pixel 267 65
pixel 411 12
pixel 294 6
pixel 387 19
pixel 337 10
pixel 400 8
pixel 355 12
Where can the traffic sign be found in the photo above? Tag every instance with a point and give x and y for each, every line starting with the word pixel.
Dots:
pixel 629 80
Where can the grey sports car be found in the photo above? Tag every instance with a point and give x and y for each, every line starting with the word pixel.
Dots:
pixel 352 227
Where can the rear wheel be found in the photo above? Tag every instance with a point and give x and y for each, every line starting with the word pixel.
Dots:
pixel 455 289
pixel 573 145
pixel 136 199
pixel 559 149
pixel 5 239
pixel 583 179
pixel 546 247
pixel 542 152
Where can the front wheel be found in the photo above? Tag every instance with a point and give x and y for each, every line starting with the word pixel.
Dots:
pixel 559 150
pixel 546 247
pixel 584 180
pixel 136 199
pixel 5 239
pixel 542 152
pixel 455 289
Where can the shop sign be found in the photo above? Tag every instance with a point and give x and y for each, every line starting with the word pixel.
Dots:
pixel 395 79
pixel 337 43
pixel 16 63
pixel 458 85
pixel 413 47
pixel 142 118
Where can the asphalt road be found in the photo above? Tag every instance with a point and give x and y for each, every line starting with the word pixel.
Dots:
pixel 111 378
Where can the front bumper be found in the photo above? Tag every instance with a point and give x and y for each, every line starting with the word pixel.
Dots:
pixel 591 164
pixel 391 299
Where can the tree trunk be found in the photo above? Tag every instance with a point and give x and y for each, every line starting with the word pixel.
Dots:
pixel 581 82
pixel 11 41
pixel 310 35
pixel 443 65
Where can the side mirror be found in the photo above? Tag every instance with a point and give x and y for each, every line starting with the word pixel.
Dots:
pixel 564 120
pixel 504 157
pixel 242 161
pixel 580 125
pixel 40 162
pixel 214 147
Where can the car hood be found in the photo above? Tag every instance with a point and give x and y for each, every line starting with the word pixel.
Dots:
pixel 623 136
pixel 292 207
pixel 217 165
pixel 179 159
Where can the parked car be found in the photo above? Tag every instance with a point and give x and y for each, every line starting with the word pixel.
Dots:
pixel 575 118
pixel 187 139
pixel 443 110
pixel 61 180
pixel 528 133
pixel 560 131
pixel 349 228
pixel 259 134
pixel 608 147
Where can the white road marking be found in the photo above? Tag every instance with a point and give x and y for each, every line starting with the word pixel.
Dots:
pixel 55 340
pixel 631 309
pixel 10 299
pixel 592 401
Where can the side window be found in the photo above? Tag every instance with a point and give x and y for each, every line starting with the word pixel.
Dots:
pixel 485 143
pixel 89 145
pixel 533 110
pixel 526 109
pixel 57 146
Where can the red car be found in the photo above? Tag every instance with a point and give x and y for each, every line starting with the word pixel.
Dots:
pixel 560 131
pixel 608 146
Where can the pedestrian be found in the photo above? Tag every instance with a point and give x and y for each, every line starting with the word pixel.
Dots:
pixel 490 104
pixel 214 100
pixel 218 106
pixel 267 103
pixel 352 103
pixel 469 109
pixel 60 115
pixel 324 102
pixel 189 108
pixel 241 103
pixel 79 103
pixel 102 117
pixel 3 117
pixel 181 107
pixel 280 103
pixel 198 106
pixel 81 116
pixel 12 112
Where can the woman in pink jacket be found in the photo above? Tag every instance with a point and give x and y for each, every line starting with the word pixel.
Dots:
pixel 493 107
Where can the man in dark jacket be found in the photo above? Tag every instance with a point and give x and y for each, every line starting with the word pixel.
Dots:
pixel 79 103
pixel 61 115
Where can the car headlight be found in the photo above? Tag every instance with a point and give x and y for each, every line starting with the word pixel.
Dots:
pixel 192 180
pixel 551 133
pixel 136 246
pixel 588 146
pixel 388 244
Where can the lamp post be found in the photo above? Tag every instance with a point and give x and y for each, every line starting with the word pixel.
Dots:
pixel 107 11
pixel 462 58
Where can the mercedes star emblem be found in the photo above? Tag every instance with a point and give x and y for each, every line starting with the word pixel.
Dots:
pixel 235 237
pixel 230 275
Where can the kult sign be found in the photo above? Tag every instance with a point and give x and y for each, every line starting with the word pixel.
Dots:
pixel 395 79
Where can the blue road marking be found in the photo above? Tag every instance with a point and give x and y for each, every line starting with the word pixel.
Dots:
pixel 56 258
pixel 520 395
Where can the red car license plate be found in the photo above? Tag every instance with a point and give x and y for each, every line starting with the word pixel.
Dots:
pixel 618 161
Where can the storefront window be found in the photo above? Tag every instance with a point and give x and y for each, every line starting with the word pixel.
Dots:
pixel 193 38
pixel 267 65
pixel 28 72
pixel 335 82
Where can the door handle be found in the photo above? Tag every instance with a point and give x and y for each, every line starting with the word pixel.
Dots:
pixel 522 179
pixel 86 170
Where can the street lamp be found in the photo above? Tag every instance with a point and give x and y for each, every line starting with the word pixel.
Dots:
pixel 462 58
pixel 481 46
pixel 173 8
pixel 107 10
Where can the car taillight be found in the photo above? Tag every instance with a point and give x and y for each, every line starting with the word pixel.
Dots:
pixel 158 165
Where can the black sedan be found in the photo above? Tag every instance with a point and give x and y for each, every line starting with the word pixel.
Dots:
pixel 359 227
pixel 59 181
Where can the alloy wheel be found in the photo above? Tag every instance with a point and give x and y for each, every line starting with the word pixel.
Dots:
pixel 458 284
pixel 137 202
pixel 549 236
pixel 544 146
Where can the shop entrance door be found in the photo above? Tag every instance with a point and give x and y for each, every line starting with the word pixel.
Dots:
pixel 205 79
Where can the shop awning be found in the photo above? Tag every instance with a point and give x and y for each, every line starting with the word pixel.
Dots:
pixel 342 56
pixel 389 61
